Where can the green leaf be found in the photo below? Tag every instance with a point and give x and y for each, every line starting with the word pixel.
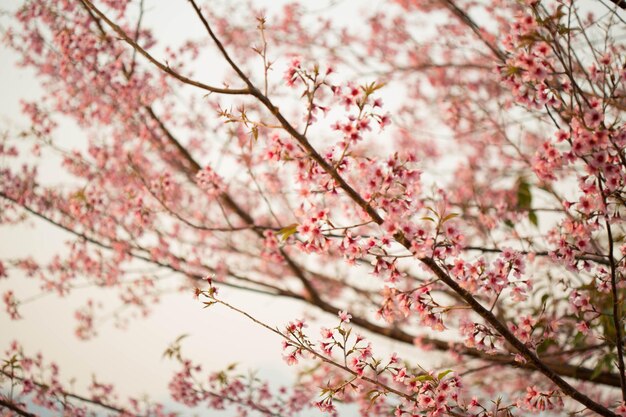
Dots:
pixel 512 70
pixel 287 231
pixel 173 350
pixel 448 217
pixel 578 339
pixel 181 337
pixel 371 88
pixel 608 329
pixel 424 377
pixel 543 346
pixel 524 197
pixel 441 375
pixel 532 217
pixel 603 364
pixel 222 377
pixel 12 363
pixel 373 395
pixel 80 195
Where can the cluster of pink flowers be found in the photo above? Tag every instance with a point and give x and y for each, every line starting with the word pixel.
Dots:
pixel 294 350
pixel 580 302
pixel 84 316
pixel 537 400
pixel 523 329
pixel 292 74
pixel 480 336
pixel 398 304
pixel 209 181
pixel 547 161
pixel 571 239
pixel 310 230
pixel 352 248
pixel 183 388
pixel 278 149
pixel 10 305
pixel 271 247
pixel 427 392
pixel 394 186
pixel 506 272
pixel 434 395
pixel 228 388
pixel 530 69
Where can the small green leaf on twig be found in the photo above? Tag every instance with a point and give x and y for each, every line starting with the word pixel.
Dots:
pixel 287 231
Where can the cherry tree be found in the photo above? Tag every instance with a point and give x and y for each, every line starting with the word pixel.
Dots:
pixel 448 174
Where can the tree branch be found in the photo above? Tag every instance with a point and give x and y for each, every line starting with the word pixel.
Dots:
pixel 487 315
pixel 13 407
pixel 165 68
pixel 619 3
pixel 617 318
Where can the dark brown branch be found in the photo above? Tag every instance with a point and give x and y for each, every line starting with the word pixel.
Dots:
pixel 301 139
pixel 269 289
pixel 126 412
pixel 228 201
pixel 465 18
pixel 13 407
pixel 619 3
pixel 487 315
pixel 563 369
pixel 617 317
pixel 531 356
pixel 599 259
pixel 74 396
pixel 165 68
pixel 195 167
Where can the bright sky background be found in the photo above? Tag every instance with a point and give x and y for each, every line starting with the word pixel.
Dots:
pixel 131 358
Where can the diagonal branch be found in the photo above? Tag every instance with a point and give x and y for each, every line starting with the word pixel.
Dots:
pixel 163 67
pixel 619 3
pixel 358 199
pixel 563 369
pixel 194 167
pixel 465 18
pixel 487 315
pixel 268 289
pixel 617 316
pixel 123 411
pixel 13 407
